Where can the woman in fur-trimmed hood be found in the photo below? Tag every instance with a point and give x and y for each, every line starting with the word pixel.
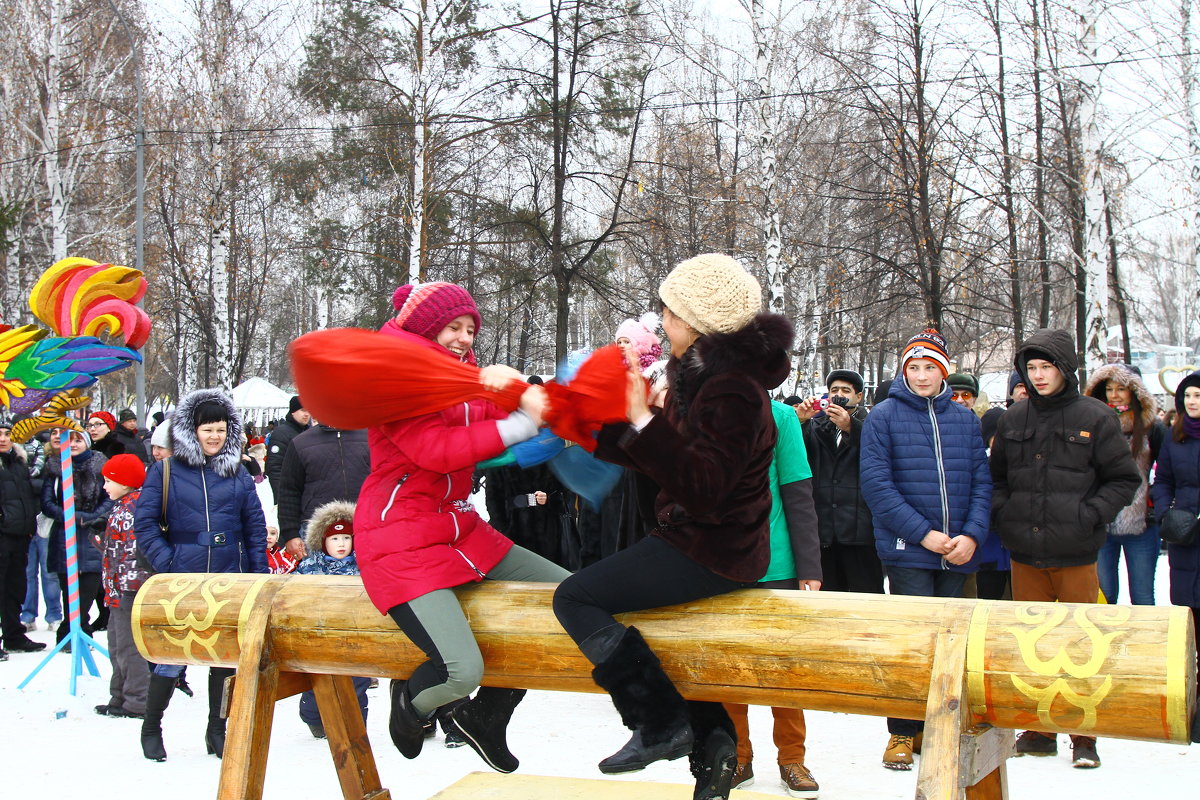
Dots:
pixel 214 523
pixel 1122 388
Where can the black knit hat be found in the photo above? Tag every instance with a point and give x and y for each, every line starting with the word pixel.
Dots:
pixel 295 405
pixel 848 375
pixel 208 412
pixel 1033 353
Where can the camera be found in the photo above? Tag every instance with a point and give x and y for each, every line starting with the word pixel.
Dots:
pixel 823 403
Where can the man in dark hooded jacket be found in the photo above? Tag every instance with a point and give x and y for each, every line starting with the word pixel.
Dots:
pixel 1061 470
pixel 322 464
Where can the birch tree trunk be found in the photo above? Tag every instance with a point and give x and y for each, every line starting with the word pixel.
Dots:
pixel 1090 148
pixel 767 123
pixel 417 201
pixel 1188 64
pixel 218 204
pixel 51 137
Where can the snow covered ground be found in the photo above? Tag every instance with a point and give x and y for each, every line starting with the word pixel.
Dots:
pixel 553 733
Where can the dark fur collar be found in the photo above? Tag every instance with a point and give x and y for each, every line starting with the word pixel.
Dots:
pixel 760 351
pixel 186 447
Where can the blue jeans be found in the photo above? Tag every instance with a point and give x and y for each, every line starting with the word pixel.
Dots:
pixel 920 583
pixel 924 582
pixel 1141 559
pixel 38 547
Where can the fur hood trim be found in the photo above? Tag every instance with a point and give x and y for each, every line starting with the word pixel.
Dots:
pixel 759 350
pixel 1123 376
pixel 186 447
pixel 323 516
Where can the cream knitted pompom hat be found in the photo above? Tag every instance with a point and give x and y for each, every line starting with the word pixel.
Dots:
pixel 713 293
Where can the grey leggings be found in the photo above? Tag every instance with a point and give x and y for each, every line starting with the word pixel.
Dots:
pixel 435 623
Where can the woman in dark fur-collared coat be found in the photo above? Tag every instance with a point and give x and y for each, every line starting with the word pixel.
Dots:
pixel 214 523
pixel 1131 532
pixel 710 451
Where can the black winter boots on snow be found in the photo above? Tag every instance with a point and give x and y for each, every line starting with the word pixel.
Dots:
pixel 714 752
pixel 649 705
pixel 483 722
pixel 158 696
pixel 405 725
pixel 214 734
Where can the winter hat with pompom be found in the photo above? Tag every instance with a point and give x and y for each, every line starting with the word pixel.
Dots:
pixel 713 293
pixel 643 333
pixel 426 308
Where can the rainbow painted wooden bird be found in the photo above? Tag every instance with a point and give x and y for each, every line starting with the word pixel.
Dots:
pixel 35 365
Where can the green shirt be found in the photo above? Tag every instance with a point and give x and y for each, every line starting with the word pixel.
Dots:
pixel 790 464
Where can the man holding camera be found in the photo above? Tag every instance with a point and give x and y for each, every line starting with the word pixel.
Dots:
pixel 848 557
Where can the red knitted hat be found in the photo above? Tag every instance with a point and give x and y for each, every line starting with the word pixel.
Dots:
pixel 125 469
pixel 426 308
pixel 105 417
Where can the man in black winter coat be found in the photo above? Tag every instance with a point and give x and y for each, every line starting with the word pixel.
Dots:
pixel 1061 470
pixel 322 464
pixel 294 424
pixel 18 523
pixel 848 557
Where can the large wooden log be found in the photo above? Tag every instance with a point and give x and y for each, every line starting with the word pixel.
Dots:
pixel 1116 671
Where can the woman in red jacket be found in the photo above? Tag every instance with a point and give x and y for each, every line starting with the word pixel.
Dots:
pixel 709 451
pixel 417 535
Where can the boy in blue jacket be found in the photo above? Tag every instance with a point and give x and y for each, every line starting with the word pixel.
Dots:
pixel 925 477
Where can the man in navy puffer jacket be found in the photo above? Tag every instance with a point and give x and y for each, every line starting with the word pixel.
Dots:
pixel 924 475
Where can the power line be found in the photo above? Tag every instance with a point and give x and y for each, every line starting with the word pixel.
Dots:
pixel 265 134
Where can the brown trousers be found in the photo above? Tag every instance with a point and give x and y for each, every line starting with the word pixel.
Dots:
pixel 789 733
pixel 1064 584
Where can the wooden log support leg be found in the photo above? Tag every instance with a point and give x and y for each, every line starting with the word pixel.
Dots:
pixel 347 737
pixel 248 735
pixel 958 759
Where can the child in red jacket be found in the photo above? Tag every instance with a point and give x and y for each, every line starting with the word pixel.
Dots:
pixel 122 576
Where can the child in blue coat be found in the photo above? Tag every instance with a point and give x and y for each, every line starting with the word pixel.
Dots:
pixel 330 552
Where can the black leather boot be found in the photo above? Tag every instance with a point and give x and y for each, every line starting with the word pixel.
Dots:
pixel 405 725
pixel 649 705
pixel 214 734
pixel 483 722
pixel 713 759
pixel 158 697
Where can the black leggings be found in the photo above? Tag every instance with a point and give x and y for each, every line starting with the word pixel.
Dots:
pixel 89 592
pixel 649 574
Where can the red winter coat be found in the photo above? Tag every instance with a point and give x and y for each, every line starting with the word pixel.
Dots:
pixel 414 530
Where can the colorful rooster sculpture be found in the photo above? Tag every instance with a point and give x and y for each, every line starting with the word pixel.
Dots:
pixel 77 298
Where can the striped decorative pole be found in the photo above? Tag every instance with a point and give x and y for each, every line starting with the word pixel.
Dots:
pixel 81 644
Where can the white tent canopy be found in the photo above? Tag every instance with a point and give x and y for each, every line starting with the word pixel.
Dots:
pixel 259 393
pixel 258 399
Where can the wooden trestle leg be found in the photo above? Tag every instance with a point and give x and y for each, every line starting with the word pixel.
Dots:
pixel 347 736
pixel 958 759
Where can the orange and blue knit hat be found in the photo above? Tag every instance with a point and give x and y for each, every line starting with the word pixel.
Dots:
pixel 426 308
pixel 927 344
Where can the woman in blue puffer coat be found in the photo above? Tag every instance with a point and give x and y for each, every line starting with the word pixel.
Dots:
pixel 214 523
pixel 924 475
pixel 1177 484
